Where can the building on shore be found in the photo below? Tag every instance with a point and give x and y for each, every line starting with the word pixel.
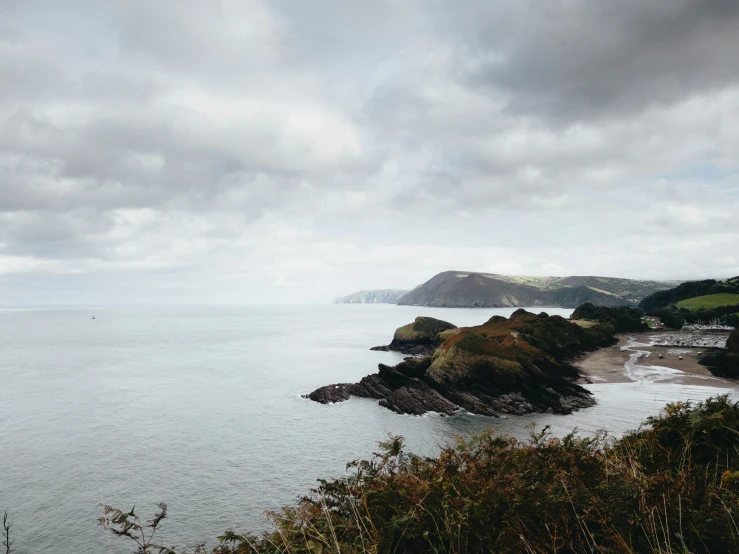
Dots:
pixel 653 322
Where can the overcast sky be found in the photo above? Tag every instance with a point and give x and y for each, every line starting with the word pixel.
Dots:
pixel 248 151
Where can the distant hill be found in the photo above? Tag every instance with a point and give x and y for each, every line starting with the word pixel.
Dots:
pixel 464 289
pixel 380 296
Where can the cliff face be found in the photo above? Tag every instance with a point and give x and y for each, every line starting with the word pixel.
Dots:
pixel 505 366
pixel 485 290
pixel 380 296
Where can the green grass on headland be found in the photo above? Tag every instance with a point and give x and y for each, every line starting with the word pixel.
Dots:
pixel 710 301
pixel 670 488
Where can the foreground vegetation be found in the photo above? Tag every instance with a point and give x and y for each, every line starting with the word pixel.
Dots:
pixel 671 487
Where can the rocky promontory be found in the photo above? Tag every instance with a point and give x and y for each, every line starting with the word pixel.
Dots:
pixel 505 366
pixel 420 338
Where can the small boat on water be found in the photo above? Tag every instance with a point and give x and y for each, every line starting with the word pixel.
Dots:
pixel 93 317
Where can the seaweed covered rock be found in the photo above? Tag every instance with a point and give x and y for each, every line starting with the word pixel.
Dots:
pixel 419 338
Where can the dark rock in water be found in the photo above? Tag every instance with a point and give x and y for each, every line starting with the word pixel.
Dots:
pixel 371 386
pixel 381 348
pixel 417 398
pixel 413 349
pixel 419 338
pixel 400 387
pixel 330 394
pixel 505 366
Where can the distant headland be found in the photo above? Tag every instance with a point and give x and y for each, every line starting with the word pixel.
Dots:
pixel 469 289
pixel 378 296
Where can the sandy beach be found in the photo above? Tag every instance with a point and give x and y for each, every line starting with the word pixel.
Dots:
pixel 635 358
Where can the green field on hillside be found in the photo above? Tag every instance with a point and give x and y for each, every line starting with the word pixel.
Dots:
pixel 710 301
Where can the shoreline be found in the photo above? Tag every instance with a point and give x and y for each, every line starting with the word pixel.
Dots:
pixel 635 359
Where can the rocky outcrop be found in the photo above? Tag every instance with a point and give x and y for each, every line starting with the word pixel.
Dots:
pixel 400 388
pixel 419 338
pixel 506 366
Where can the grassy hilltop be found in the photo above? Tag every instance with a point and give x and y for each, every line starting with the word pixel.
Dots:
pixel 710 301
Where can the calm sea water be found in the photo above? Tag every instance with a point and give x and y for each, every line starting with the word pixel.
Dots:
pixel 201 408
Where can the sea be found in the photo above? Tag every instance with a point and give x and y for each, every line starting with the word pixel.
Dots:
pixel 201 408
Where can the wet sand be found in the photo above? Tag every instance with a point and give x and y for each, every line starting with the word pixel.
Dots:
pixel 634 359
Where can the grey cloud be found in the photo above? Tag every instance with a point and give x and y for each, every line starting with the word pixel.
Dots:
pixel 49 235
pixel 221 42
pixel 146 157
pixel 568 61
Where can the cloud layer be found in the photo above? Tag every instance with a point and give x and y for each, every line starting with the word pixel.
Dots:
pixel 249 151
